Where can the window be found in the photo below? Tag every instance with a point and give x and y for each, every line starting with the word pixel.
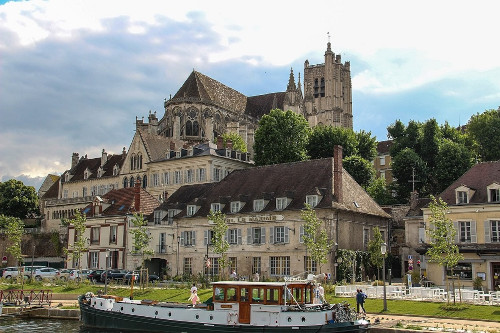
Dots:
pixel 94 235
pixel 65 194
pixel 189 176
pixel 157 217
pixel 495 230
pixel 234 236
pixel 382 174
pixel 171 213
pixel 462 197
pixel 213 269
pixel 201 174
pixel 280 265
pixel 258 205
pixel 233 264
pixel 166 178
pixel 312 200
pixel 162 245
pixel 256 236
pixel 462 270
pixel 421 235
pixel 209 237
pixel 279 235
pixel 382 160
pixel 215 207
pixel 281 203
pixel 188 238
pixel 494 195
pixel 235 206
pixel 217 174
pixel 188 266
pixel 310 265
pixel 256 265
pixel 156 180
pixel 112 234
pixel 178 177
pixel 94 259
pixel 84 191
pixel 191 210
pixel 465 231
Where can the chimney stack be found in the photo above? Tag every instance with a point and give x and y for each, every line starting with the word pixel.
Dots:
pixel 229 144
pixel 337 173
pixel 74 160
pixel 172 145
pixel 137 195
pixel 220 142
pixel 104 157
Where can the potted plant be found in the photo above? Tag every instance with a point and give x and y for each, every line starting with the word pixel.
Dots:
pixel 477 283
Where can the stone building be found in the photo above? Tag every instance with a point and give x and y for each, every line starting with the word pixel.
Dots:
pixel 383 160
pixel 204 108
pixel 263 212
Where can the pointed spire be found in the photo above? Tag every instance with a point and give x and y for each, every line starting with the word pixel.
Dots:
pixel 291 82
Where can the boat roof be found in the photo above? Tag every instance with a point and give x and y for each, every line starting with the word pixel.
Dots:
pixel 260 284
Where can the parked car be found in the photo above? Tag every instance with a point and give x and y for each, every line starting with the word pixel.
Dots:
pixel 65 273
pixel 46 273
pixel 128 276
pixel 78 275
pixel 12 272
pixel 95 275
pixel 114 274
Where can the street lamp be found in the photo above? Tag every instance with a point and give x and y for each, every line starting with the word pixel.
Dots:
pixel 178 246
pixel 106 274
pixel 383 250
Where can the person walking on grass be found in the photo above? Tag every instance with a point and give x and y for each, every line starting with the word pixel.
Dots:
pixel 360 300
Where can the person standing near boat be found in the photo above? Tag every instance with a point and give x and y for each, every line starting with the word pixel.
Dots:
pixel 194 295
pixel 360 300
pixel 321 293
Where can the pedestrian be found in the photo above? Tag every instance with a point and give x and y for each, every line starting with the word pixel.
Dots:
pixel 256 277
pixel 321 293
pixel 194 298
pixel 234 276
pixel 194 289
pixel 360 300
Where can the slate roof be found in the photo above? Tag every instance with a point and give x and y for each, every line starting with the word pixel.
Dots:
pixel 122 202
pixel 476 178
pixel 93 165
pixel 384 147
pixel 53 191
pixel 199 87
pixel 291 180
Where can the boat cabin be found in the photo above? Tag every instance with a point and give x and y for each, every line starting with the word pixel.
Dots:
pixel 242 295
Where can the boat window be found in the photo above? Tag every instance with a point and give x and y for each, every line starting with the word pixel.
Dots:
pixel 258 295
pixel 231 294
pixel 244 294
pixel 297 294
pixel 308 293
pixel 218 294
pixel 272 296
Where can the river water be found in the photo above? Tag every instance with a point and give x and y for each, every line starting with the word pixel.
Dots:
pixel 12 324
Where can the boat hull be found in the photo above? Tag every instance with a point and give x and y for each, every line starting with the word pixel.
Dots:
pixel 111 320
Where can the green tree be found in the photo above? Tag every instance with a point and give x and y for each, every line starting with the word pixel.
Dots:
pixel 376 257
pixel 484 128
pixel 140 239
pixel 366 145
pixel 236 139
pixel 219 242
pixel 379 192
pixel 14 228
pixel 403 165
pixel 452 161
pixel 360 169
pixel 80 245
pixel 431 139
pixel 323 138
pixel 18 200
pixel 315 237
pixel 442 248
pixel 281 138
pixel 405 137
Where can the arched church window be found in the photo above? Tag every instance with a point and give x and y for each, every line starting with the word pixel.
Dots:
pixel 189 128
pixel 322 87
pixel 192 128
pixel 125 182
pixel 132 162
pixel 196 128
pixel 144 181
pixel 131 181
pixel 316 88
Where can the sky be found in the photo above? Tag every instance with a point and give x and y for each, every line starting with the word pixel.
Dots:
pixel 74 75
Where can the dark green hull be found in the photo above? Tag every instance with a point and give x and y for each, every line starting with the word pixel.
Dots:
pixel 117 321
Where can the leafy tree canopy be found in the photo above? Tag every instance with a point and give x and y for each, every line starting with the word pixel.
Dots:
pixel 376 257
pixel 281 138
pixel 379 192
pixel 14 228
pixel 485 129
pixel 236 139
pixel 323 138
pixel 360 169
pixel 315 237
pixel 367 145
pixel 404 164
pixel 18 200
pixel 452 161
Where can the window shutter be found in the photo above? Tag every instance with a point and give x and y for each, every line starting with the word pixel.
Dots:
pixel 473 233
pixel 249 236
pixel 271 235
pixel 287 238
pixel 421 235
pixel 239 236
pixel 194 237
pixel 205 237
pixel 301 234
pixel 487 231
pixel 182 237
pixel 226 235
pixel 263 235
pixel 457 232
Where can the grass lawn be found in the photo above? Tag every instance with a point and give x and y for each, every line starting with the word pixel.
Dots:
pixel 176 294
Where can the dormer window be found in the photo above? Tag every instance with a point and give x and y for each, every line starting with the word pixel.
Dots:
pixel 493 192
pixel 463 194
pixel 66 177
pixel 258 205
pixel 100 172
pixel 312 200
pixel 235 206
pixel 86 174
pixel 216 207
pixel 116 169
pixel 191 210
pixel 281 203
pixel 462 197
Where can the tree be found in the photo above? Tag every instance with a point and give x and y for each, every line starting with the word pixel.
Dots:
pixel 14 228
pixel 379 192
pixel 366 145
pixel 18 200
pixel 452 161
pixel 404 164
pixel 281 138
pixel 219 242
pixel 360 169
pixel 80 245
pixel 441 232
pixel 376 256
pixel 140 238
pixel 315 237
pixel 323 138
pixel 484 129
pixel 236 139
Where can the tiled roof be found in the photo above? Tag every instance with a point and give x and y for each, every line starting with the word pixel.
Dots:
pixel 477 178
pixel 93 165
pixel 157 146
pixel 53 190
pixel 257 106
pixel 122 202
pixel 291 180
pixel 384 147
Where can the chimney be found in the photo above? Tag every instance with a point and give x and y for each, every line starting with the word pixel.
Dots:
pixel 137 195
pixel 220 142
pixel 104 157
pixel 337 173
pixel 74 160
pixel 172 145
pixel 124 152
pixel 229 144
